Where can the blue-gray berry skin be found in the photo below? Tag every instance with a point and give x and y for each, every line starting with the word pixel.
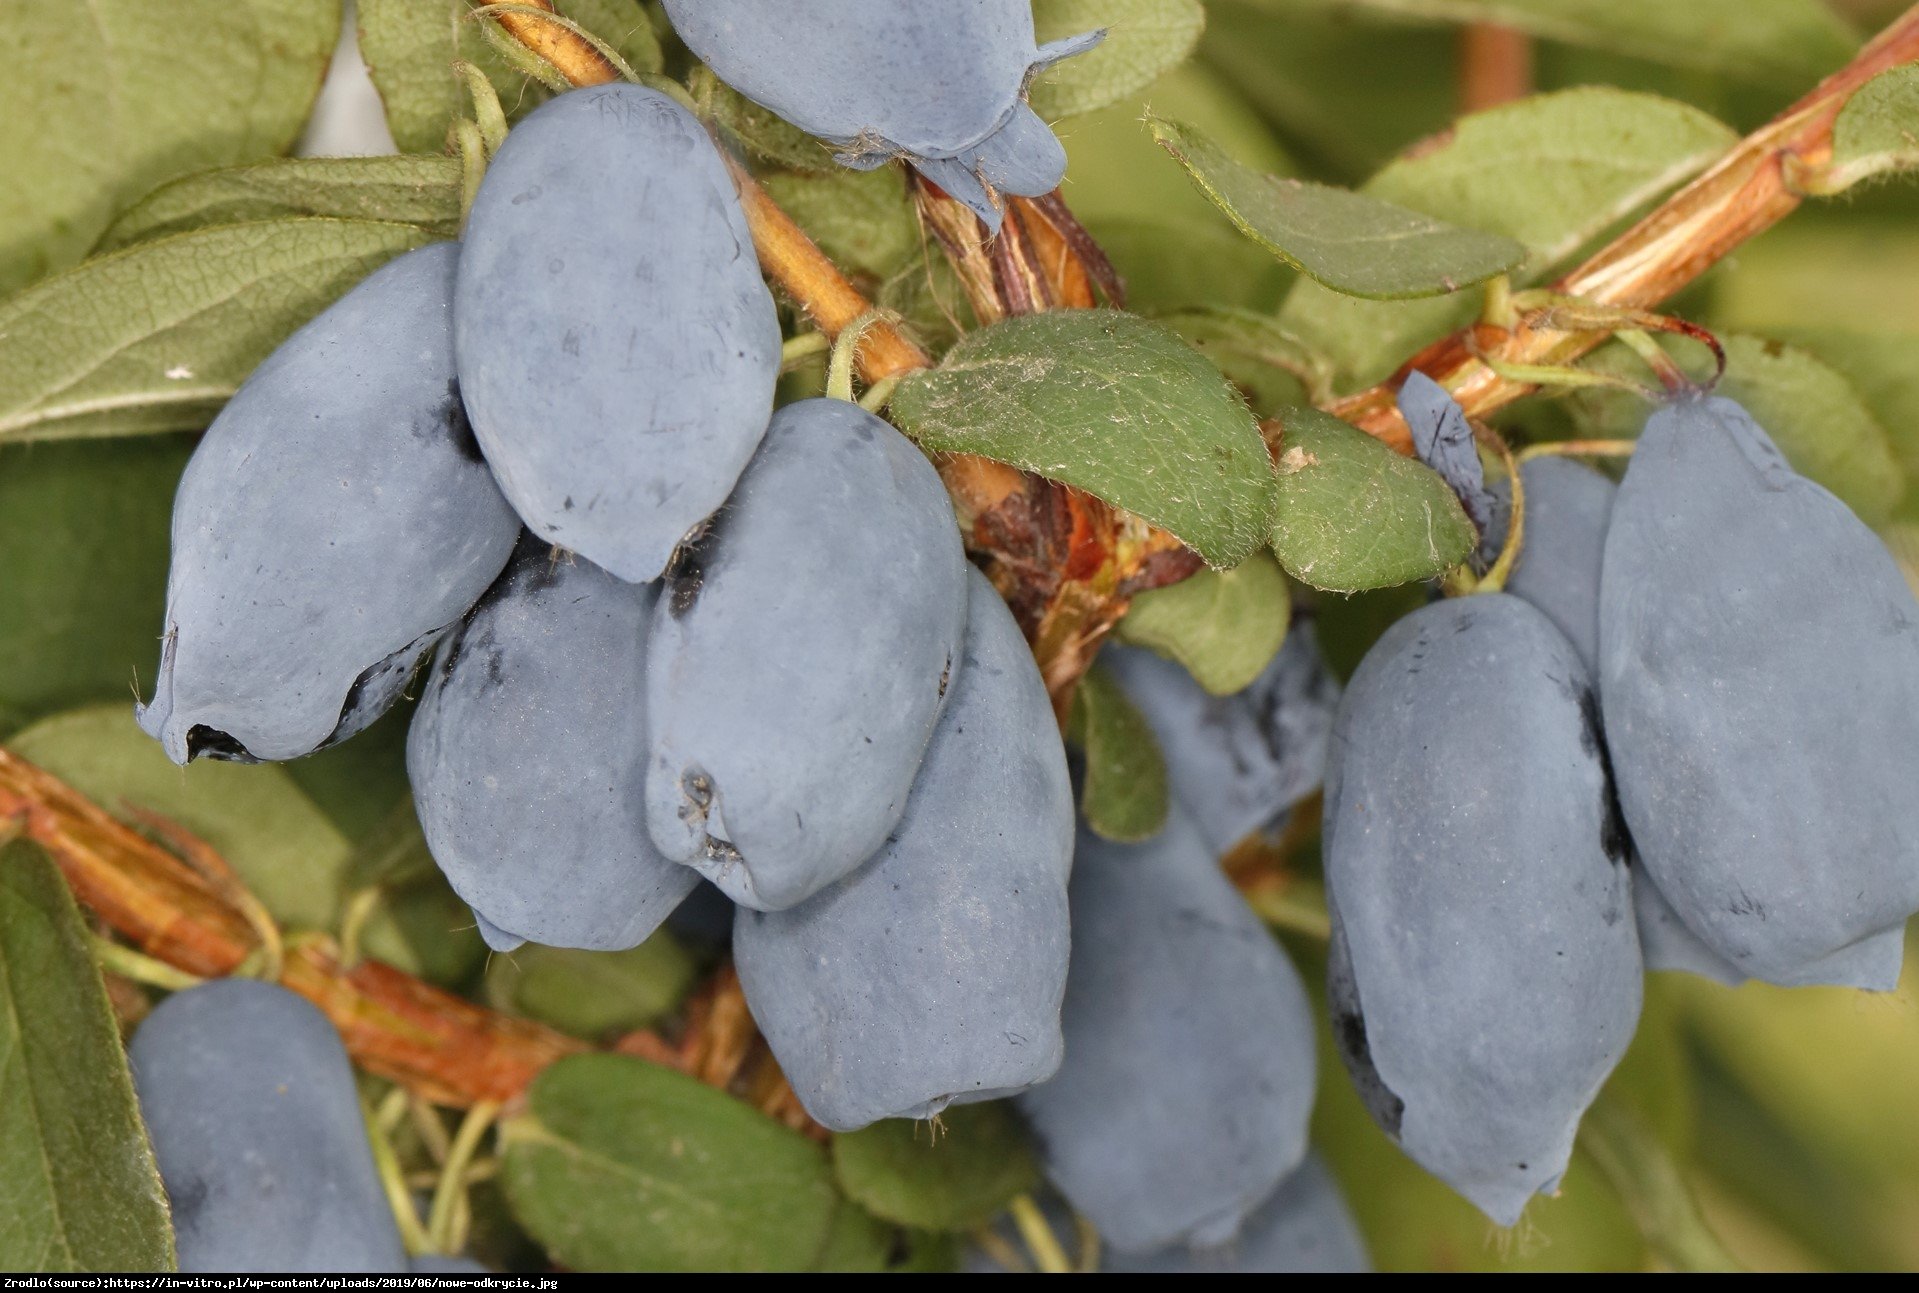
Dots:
pixel 494 937
pixel 799 658
pixel 1304 1228
pixel 942 85
pixel 617 346
pixel 1443 439
pixel 526 756
pixel 1567 508
pixel 1237 763
pixel 335 518
pixel 933 974
pixel 1759 655
pixel 1485 970
pixel 249 1100
pixel 441 1264
pixel 1188 1078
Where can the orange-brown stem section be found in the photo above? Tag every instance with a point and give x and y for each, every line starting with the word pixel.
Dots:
pixel 1744 194
pixel 1495 66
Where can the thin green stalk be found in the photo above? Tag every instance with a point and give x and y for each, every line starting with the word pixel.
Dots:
pixel 443 1218
pixel 129 964
pixel 393 1182
pixel 1039 1237
pixel 488 113
pixel 1649 1183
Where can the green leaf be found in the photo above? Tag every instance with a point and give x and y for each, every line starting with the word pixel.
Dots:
pixel 1788 43
pixel 858 1242
pixel 760 130
pixel 83 560
pixel 593 994
pixel 1554 171
pixel 1354 244
pixel 423 191
pixel 284 848
pixel 1877 131
pixel 955 1174
pixel 1113 404
pixel 103 101
pixel 1177 262
pixel 1123 793
pixel 864 221
pixel 1883 367
pixel 1815 416
pixel 1353 514
pixel 1270 366
pixel 622 1165
pixel 1224 626
pixel 410 47
pixel 156 337
pixel 1143 39
pixel 78 1187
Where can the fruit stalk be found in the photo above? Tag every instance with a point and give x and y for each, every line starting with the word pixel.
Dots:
pixel 1745 193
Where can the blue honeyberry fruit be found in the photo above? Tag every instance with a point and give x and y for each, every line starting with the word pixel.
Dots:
pixel 1568 508
pixel 249 1100
pixel 527 755
pixel 1188 1079
pixel 1484 970
pixel 933 974
pixel 1304 1228
pixel 335 518
pixel 1568 505
pixel 1236 763
pixel 1759 663
pixel 617 346
pixel 441 1264
pixel 800 656
pixel 943 85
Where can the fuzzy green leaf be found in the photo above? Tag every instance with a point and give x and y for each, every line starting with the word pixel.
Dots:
pixel 956 1174
pixel 1143 39
pixel 620 1165
pixel 156 337
pixel 423 191
pixel 1353 514
pixel 1123 795
pixel 83 558
pixel 1113 404
pixel 1877 131
pixel 760 130
pixel 1354 244
pixel 593 994
pixel 79 1191
pixel 1224 626
pixel 105 100
pixel 1554 171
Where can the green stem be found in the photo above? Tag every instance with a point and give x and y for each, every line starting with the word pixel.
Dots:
pixel 360 907
pixel 879 393
pixel 393 1182
pixel 1649 1183
pixel 846 349
pixel 471 146
pixel 139 967
pixel 797 350
pixel 523 60
pixel 1293 911
pixel 1494 580
pixel 490 115
pixel 1500 310
pixel 1039 1237
pixel 1578 449
pixel 444 1215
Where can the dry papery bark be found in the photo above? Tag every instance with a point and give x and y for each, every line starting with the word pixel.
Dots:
pixel 1067 562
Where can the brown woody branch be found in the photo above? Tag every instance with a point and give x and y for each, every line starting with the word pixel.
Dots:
pixel 1747 192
